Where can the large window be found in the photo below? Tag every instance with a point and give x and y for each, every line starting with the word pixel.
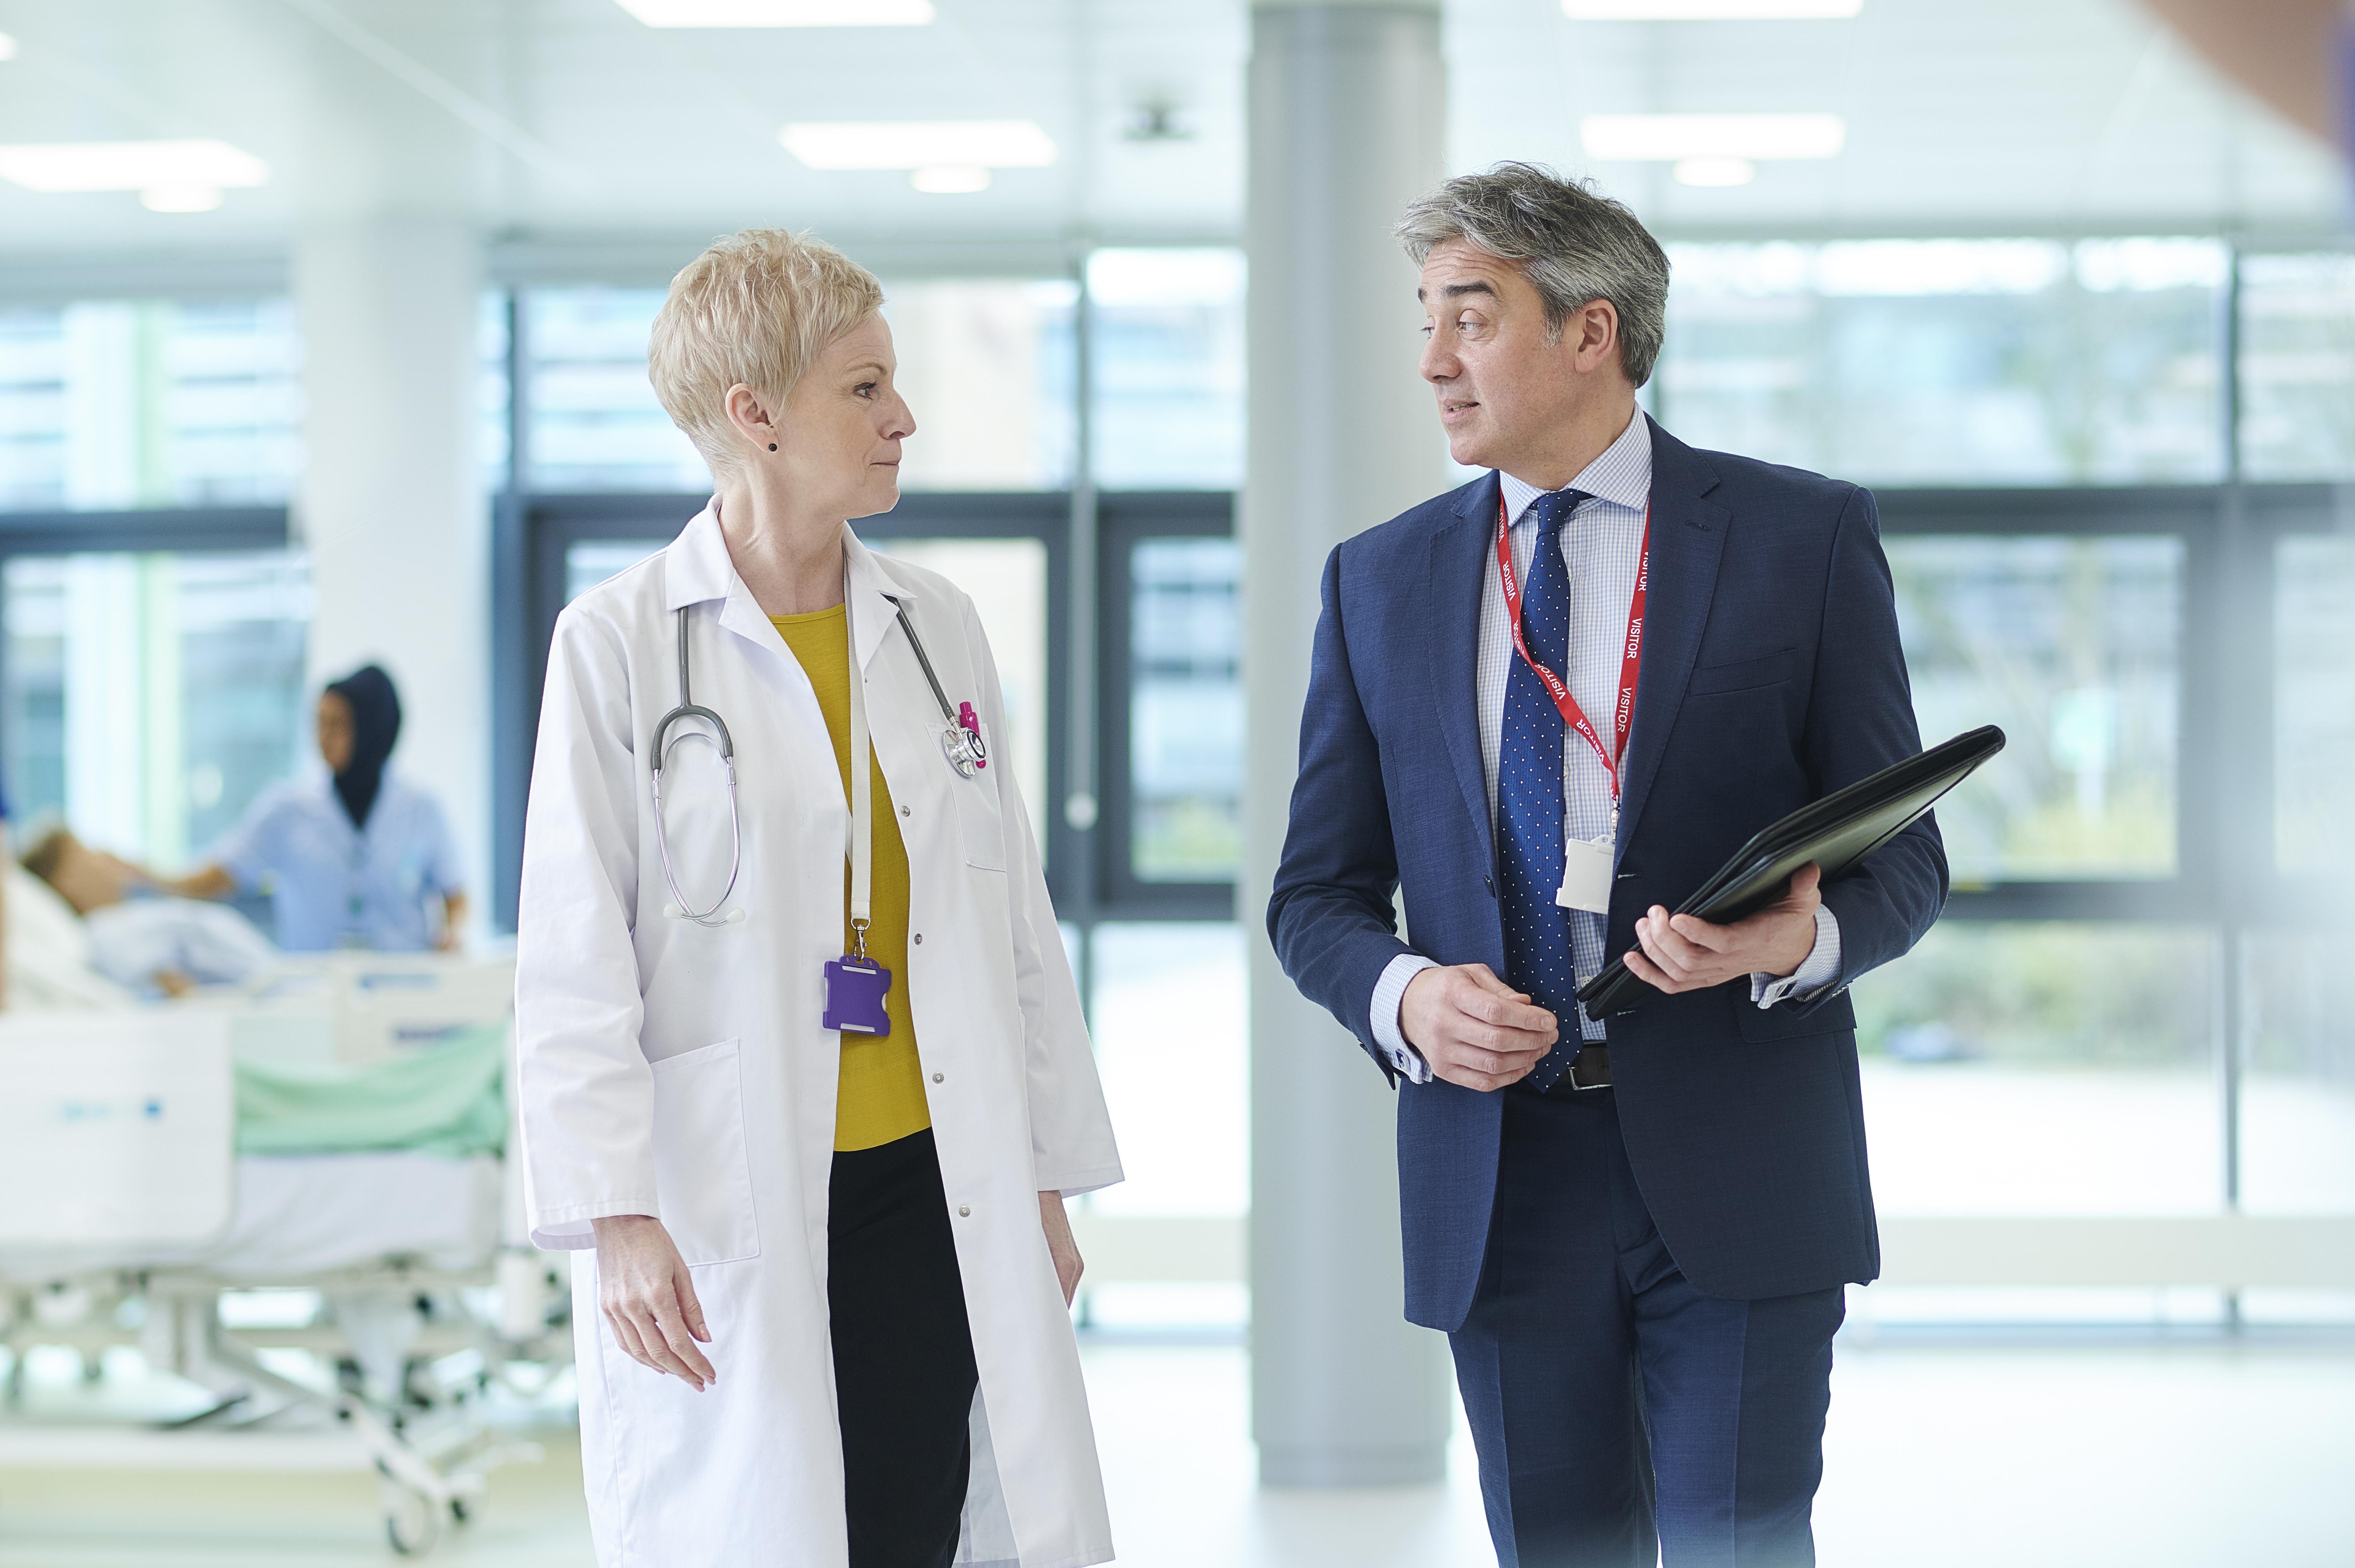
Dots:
pixel 2314 705
pixel 119 403
pixel 1184 711
pixel 1167 368
pixel 1952 361
pixel 2070 643
pixel 152 619
pixel 150 698
pixel 2297 367
pixel 2044 1068
pixel 2298 1105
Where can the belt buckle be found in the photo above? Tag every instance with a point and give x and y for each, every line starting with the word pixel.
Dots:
pixel 1600 1067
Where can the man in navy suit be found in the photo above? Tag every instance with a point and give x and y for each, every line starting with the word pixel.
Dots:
pixel 1542 709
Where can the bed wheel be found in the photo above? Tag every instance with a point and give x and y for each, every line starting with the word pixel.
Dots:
pixel 411 1522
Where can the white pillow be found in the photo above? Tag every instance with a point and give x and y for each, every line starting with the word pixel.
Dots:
pixel 49 968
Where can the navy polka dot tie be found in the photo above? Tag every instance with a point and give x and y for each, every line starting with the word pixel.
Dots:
pixel 1529 796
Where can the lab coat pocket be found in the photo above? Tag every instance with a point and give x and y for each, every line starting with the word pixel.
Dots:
pixel 703 1183
pixel 981 825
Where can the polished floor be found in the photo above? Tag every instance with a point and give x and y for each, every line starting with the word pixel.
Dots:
pixel 2193 1455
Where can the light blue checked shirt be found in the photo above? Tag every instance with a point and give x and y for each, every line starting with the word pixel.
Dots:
pixel 1603 546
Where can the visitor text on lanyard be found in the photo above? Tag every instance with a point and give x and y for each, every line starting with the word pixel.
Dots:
pixel 1586 866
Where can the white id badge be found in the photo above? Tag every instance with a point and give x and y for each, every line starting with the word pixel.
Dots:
pixel 1586 876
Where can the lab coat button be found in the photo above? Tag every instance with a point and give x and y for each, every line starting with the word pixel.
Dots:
pixel 937 1077
pixel 903 811
pixel 919 939
pixel 963 1212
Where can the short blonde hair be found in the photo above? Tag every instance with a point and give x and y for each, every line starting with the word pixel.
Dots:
pixel 757 307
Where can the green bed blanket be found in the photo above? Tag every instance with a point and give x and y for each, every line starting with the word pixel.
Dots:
pixel 447 1098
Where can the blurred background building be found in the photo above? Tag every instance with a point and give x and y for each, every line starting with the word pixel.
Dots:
pixel 322 338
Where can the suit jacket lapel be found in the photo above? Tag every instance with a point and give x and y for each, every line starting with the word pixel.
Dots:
pixel 1459 553
pixel 1687 540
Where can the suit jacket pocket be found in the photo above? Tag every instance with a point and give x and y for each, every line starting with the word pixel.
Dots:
pixel 1744 674
pixel 703 1183
pixel 1790 1020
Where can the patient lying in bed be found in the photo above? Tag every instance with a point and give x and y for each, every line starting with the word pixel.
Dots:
pixel 149 945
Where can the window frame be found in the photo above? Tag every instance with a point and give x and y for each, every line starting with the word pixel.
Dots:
pixel 155 530
pixel 1126 520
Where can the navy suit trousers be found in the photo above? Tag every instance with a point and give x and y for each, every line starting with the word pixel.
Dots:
pixel 1618 1411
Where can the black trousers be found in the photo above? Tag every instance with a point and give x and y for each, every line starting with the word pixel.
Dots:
pixel 903 1369
pixel 1621 1416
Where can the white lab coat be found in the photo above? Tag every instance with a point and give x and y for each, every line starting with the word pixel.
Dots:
pixel 677 1070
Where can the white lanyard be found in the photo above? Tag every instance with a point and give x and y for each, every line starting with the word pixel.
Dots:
pixel 862 824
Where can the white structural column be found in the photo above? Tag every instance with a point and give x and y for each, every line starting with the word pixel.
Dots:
pixel 392 507
pixel 1347 107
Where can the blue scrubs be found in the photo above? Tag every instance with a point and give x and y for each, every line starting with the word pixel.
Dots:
pixel 333 885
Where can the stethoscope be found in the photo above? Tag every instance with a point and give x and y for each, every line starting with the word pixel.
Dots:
pixel 961 743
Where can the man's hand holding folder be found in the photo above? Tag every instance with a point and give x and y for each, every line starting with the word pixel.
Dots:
pixel 1685 952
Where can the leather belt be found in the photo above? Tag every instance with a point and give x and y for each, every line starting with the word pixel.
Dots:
pixel 1590 1068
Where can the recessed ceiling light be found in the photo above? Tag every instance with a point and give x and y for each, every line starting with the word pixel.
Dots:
pixel 7 48
pixel 918 144
pixel 1672 138
pixel 180 199
pixel 950 180
pixel 1715 171
pixel 1710 10
pixel 780 12
pixel 60 166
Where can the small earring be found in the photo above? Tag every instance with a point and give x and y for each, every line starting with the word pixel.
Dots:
pixel 772 446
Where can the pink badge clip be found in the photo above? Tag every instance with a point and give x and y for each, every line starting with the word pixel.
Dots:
pixel 967 720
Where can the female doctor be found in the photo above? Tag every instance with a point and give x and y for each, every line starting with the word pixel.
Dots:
pixel 802 1070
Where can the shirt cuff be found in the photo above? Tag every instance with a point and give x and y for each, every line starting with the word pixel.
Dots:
pixel 1821 969
pixel 1388 991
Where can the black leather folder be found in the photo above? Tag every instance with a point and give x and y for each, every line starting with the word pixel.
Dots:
pixel 1835 832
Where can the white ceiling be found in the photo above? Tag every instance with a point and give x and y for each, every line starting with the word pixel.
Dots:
pixel 553 123
pixel 1962 115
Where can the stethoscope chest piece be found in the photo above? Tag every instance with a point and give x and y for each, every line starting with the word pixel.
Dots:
pixel 720 741
pixel 961 741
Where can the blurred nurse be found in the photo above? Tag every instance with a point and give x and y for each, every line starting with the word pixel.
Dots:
pixel 358 859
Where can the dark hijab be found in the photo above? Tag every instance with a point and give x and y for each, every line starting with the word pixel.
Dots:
pixel 375 725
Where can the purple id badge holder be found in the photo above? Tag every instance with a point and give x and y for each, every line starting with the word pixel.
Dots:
pixel 855 989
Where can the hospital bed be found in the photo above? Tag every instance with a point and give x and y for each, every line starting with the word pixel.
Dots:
pixel 338 1128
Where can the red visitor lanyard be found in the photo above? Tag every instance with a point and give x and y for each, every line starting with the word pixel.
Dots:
pixel 1630 655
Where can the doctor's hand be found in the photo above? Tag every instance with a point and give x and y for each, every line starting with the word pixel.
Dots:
pixel 1059 1244
pixel 1679 953
pixel 648 1297
pixel 1472 1028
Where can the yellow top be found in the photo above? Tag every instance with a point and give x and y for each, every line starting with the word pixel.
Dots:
pixel 881 1095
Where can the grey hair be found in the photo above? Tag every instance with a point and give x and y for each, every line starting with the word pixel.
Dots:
pixel 1572 244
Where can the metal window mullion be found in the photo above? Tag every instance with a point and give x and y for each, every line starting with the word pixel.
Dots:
pixel 518 395
pixel 1080 808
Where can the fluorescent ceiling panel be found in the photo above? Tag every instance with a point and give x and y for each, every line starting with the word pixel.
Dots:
pixel 181 199
pixel 780 12
pixel 7 48
pixel 1710 10
pixel 58 167
pixel 950 180
pixel 1707 172
pixel 918 144
pixel 1656 138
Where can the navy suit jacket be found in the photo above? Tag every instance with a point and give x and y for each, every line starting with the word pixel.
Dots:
pixel 1771 676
